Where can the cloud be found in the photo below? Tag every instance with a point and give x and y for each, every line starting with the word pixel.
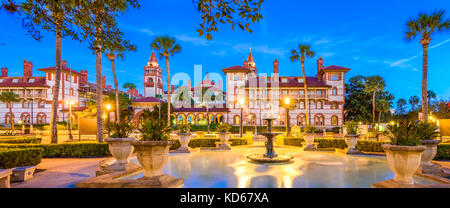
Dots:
pixel 402 61
pixel 327 54
pixel 321 41
pixel 245 47
pixel 148 32
pixel 196 40
pixel 219 53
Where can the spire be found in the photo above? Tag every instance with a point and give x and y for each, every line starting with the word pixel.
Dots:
pixel 250 58
pixel 152 61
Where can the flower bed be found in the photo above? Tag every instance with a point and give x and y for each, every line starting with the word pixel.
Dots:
pixel 209 142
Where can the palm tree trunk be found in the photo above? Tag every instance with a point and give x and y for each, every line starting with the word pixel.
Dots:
pixel 99 96
pixel 287 122
pixel 116 86
pixel 373 107
pixel 11 118
pixel 54 108
pixel 306 93
pixel 379 117
pixel 168 89
pixel 424 82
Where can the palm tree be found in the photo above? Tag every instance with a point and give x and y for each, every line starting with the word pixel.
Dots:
pixel 383 106
pixel 413 100
pixel 129 86
pixel 166 46
pixel 10 98
pixel 304 51
pixel 401 103
pixel 430 95
pixel 424 25
pixel 373 85
pixel 112 57
pixel 288 104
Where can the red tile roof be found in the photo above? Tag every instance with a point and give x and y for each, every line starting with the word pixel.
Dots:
pixel 333 67
pixel 235 68
pixel 23 82
pixel 200 109
pixel 291 82
pixel 147 100
pixel 64 68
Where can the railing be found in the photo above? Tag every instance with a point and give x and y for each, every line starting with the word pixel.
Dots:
pixel 34 95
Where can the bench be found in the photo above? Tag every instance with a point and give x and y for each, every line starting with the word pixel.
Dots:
pixel 5 178
pixel 21 174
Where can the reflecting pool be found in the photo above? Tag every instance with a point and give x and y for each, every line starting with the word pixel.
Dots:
pixel 222 169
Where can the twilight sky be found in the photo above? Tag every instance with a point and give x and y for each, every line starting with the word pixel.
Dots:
pixel 366 36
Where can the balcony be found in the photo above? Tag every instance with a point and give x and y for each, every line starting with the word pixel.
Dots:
pixel 323 96
pixel 33 96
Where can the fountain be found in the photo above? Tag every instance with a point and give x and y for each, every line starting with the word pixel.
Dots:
pixel 270 156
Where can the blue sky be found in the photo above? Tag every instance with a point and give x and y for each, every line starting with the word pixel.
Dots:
pixel 366 36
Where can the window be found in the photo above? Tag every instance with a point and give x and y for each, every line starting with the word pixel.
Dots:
pixel 302 105
pixel 302 92
pixel 334 91
pixel 313 104
pixel 236 90
pixel 319 105
pixel 334 77
pixel 284 92
pixel 334 106
pixel 15 80
pixel 42 104
pixel 1 80
pixel 71 92
pixel 31 80
pixel 284 80
pixel 300 79
pixel 236 120
pixel 334 121
pixel 319 92
pixel 150 80
pixel 237 77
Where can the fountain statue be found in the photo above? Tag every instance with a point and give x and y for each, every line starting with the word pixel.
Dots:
pixel 270 156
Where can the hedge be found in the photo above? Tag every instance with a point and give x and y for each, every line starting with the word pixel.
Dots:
pixel 208 142
pixel 20 140
pixel 67 150
pixel 15 157
pixel 443 152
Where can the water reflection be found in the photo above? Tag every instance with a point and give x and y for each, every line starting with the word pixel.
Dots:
pixel 309 169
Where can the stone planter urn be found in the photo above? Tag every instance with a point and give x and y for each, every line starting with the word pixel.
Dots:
pixel 428 155
pixel 184 139
pixel 153 155
pixel 121 149
pixel 224 137
pixel 351 140
pixel 309 141
pixel 403 161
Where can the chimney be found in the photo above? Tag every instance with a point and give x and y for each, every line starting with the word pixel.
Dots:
pixel 63 63
pixel 319 65
pixel 104 82
pixel 275 66
pixel 84 77
pixel 4 72
pixel 27 68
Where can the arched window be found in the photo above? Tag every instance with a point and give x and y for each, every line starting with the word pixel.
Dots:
pixel 180 119
pixel 236 91
pixel 8 117
pixel 302 105
pixel 319 120
pixel 334 106
pixel 200 119
pixel 150 80
pixel 25 117
pixel 334 121
pixel 334 91
pixel 313 104
pixel 190 119
pixel 236 120
pixel 41 104
pixel 26 104
pixel 319 105
pixel 71 92
pixel 41 118
pixel 300 119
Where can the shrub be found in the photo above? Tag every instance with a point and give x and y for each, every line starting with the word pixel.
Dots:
pixel 309 129
pixel 67 150
pixel 224 127
pixel 123 129
pixel 443 152
pixel 154 130
pixel 184 128
pixel 58 126
pixel 208 142
pixel 20 140
pixel 331 143
pixel 351 127
pixel 370 146
pixel 409 133
pixel 14 157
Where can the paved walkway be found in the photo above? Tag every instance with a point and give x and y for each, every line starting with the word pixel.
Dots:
pixel 61 173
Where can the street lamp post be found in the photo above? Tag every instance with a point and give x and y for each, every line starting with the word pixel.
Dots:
pixel 70 103
pixel 20 123
pixel 287 102
pixel 108 108
pixel 241 102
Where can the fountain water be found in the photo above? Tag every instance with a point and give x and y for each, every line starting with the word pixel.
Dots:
pixel 270 156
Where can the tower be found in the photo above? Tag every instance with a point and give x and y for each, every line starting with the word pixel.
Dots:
pixel 153 86
pixel 250 64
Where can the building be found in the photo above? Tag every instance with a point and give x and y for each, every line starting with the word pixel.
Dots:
pixel 36 94
pixel 262 95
